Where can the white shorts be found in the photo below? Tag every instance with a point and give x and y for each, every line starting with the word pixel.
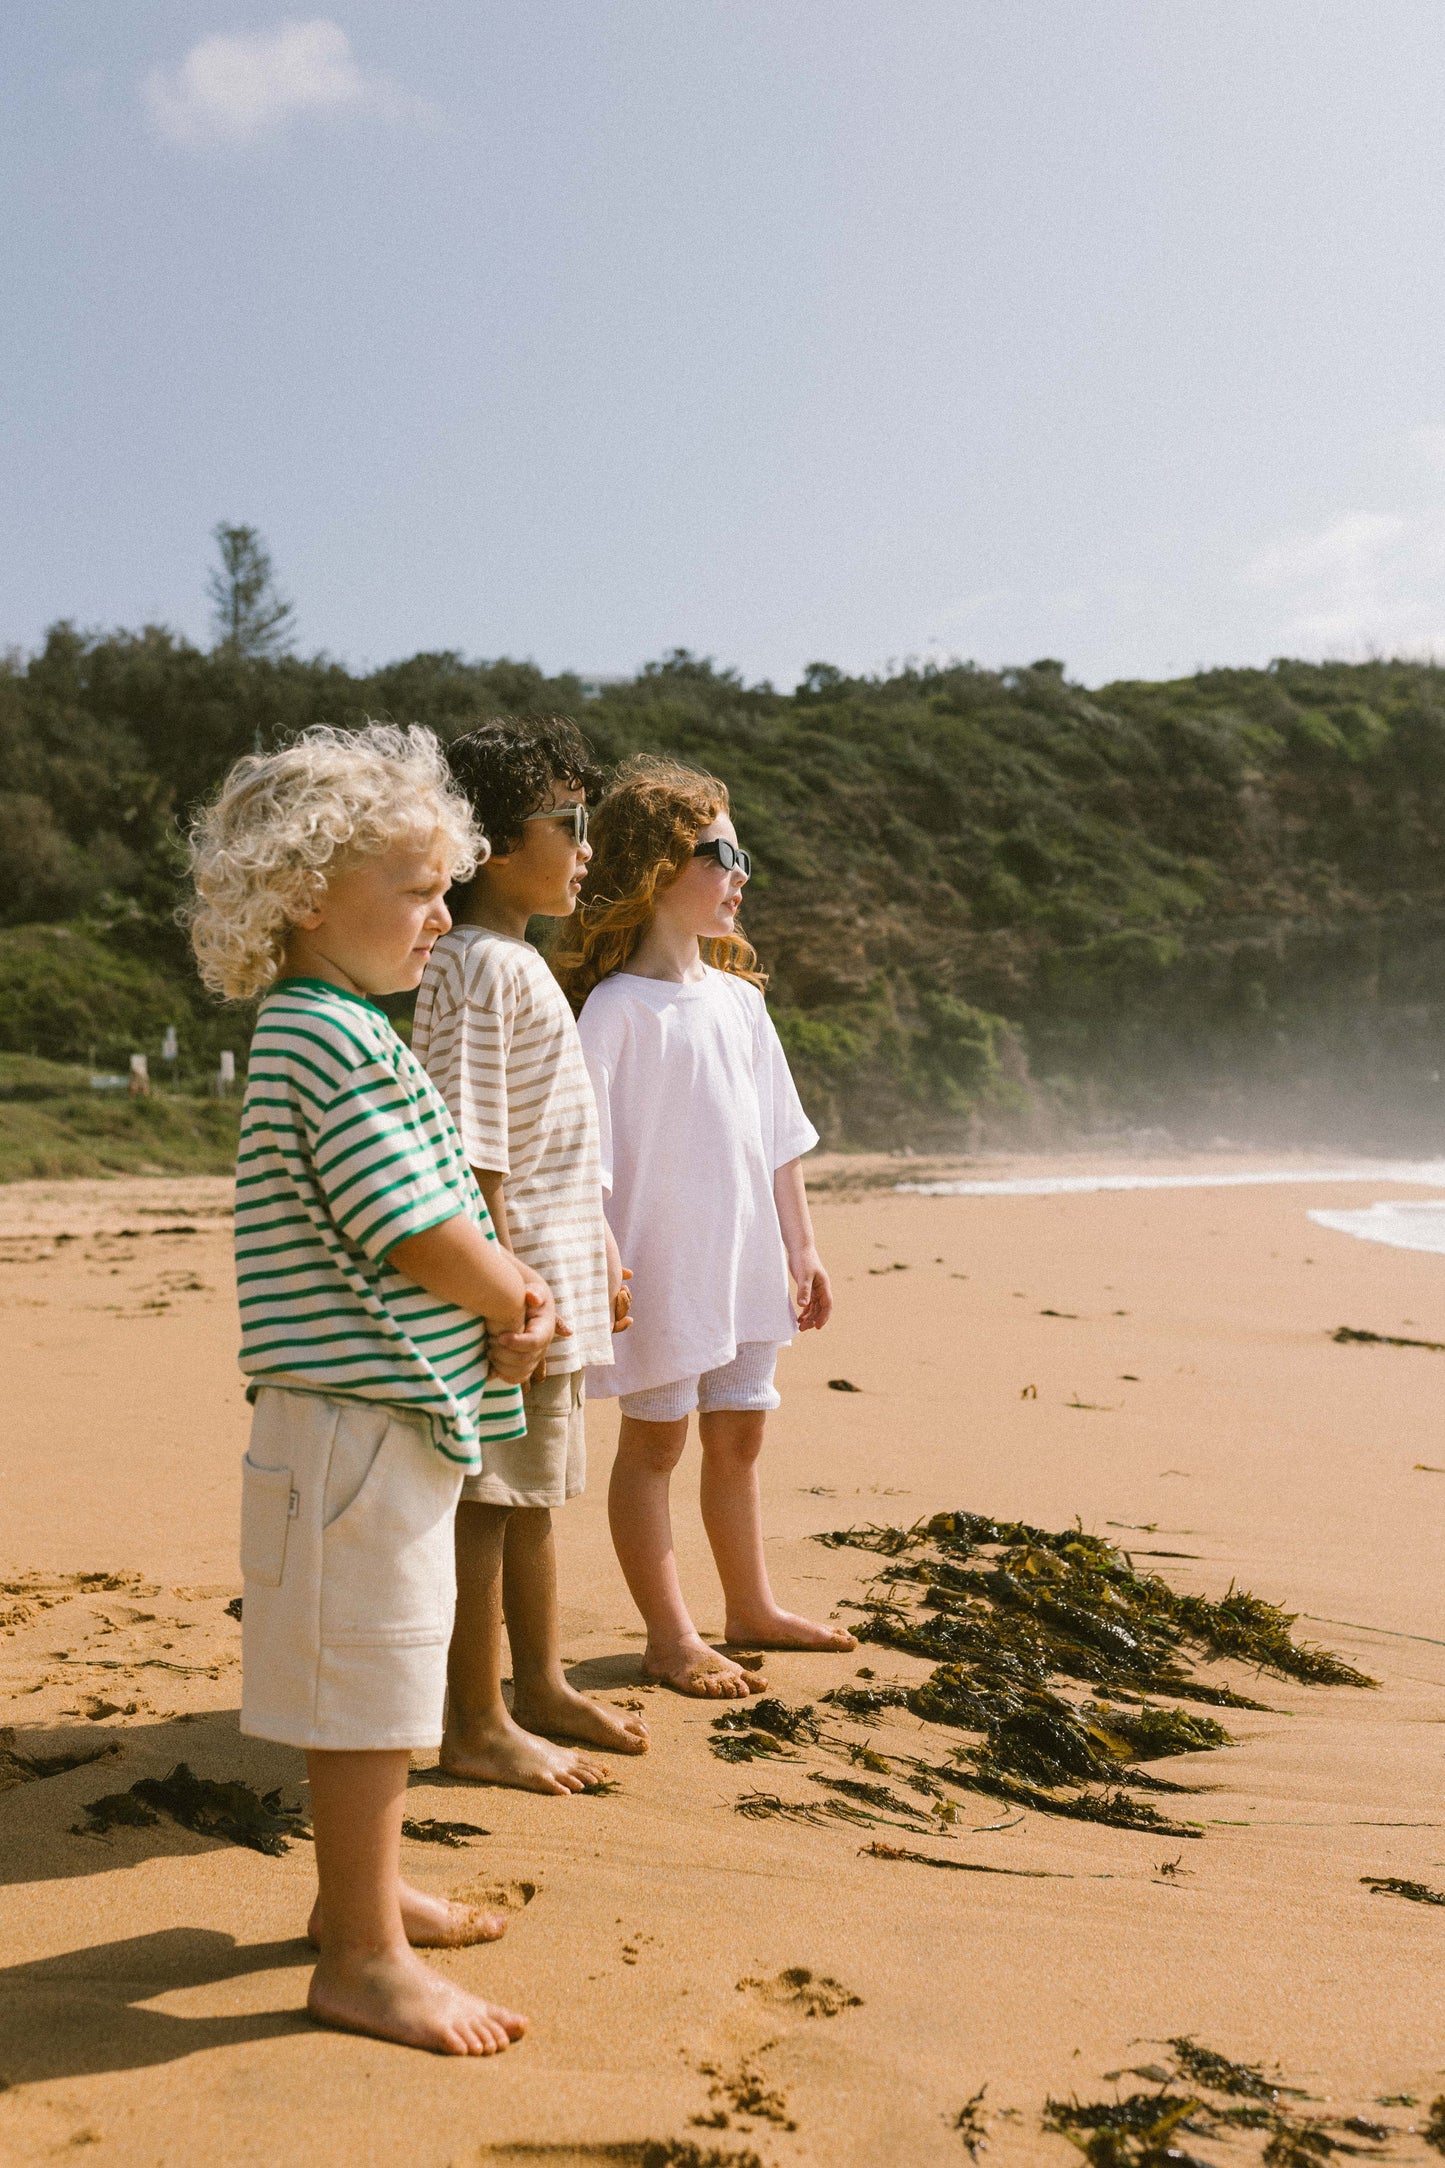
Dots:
pixel 549 1465
pixel 743 1385
pixel 348 1554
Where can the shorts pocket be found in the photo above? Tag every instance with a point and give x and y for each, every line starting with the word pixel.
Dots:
pixel 268 1505
pixel 388 1577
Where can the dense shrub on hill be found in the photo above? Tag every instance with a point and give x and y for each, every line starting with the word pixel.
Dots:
pixel 1162 893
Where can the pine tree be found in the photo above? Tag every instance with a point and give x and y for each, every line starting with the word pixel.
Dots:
pixel 252 618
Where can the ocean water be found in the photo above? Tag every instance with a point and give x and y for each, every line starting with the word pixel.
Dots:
pixel 1426 1172
pixel 1418 1225
pixel 1404 1224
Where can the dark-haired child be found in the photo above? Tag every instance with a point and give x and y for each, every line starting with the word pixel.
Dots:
pixel 498 1039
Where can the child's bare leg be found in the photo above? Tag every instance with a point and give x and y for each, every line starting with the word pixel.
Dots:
pixel 483 1740
pixel 431 1923
pixel 368 1979
pixel 541 1698
pixel 732 1514
pixel 637 1507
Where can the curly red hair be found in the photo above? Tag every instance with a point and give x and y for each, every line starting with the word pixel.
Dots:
pixel 642 835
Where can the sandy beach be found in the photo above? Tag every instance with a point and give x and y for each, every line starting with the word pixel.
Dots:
pixel 1187 1398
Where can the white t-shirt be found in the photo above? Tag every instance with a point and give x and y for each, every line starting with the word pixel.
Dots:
pixel 696 1109
pixel 496 1036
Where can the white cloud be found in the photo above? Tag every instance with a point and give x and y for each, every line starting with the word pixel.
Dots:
pixel 1364 583
pixel 236 86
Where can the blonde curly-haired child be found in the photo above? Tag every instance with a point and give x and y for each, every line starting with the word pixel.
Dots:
pixel 384 1329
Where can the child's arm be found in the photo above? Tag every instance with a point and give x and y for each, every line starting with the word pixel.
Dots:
pixel 813 1288
pixel 516 1355
pixel 455 1262
pixel 619 1301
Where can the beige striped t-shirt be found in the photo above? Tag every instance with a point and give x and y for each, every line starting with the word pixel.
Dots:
pixel 498 1040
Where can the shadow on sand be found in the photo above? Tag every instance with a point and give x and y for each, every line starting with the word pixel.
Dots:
pixel 38 1819
pixel 74 2015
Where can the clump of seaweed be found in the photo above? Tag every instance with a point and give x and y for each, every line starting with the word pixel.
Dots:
pixel 771 1714
pixel 746 1746
pixel 455 1834
pixel 971 2124
pixel 1137 2113
pixel 889 1541
pixel 1150 1734
pixel 764 1727
pixel 1141 2130
pixel 1136 2133
pixel 1434 2130
pixel 1009 1614
pixel 231 1811
pixel 1242 2081
pixel 867 1700
pixel 1393 1885
pixel 117 1810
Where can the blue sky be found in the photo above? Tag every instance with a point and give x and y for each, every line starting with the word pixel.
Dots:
pixel 780 329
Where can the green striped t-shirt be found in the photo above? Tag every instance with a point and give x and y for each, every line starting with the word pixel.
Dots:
pixel 346 1150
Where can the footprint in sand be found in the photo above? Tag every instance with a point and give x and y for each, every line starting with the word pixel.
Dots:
pixel 33 1593
pixel 740 2092
pixel 496 1896
pixel 804 1993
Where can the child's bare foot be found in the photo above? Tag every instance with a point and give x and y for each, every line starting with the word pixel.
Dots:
pixel 432 1923
pixel 691 1667
pixel 509 1755
pixel 558 1709
pixel 787 1630
pixel 393 1996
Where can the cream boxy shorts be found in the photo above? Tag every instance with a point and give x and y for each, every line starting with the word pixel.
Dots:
pixel 347 1549
pixel 549 1465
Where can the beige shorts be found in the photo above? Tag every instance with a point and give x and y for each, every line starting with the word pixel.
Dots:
pixel 549 1465
pixel 347 1549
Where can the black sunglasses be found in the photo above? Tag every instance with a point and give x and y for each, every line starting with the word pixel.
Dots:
pixel 727 855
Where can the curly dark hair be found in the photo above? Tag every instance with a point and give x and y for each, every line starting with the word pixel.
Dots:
pixel 508 766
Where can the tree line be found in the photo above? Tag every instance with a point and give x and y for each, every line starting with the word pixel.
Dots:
pixel 976 890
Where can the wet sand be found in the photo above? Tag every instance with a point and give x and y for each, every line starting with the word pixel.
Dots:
pixel 151 1981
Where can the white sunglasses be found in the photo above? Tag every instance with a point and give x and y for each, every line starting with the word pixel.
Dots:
pixel 576 814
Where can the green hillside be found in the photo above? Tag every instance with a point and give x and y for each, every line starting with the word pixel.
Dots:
pixel 993 898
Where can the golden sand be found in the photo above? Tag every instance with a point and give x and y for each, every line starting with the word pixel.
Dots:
pixel 1187 1398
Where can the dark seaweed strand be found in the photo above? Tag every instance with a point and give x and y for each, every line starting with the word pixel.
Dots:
pixel 1392 1885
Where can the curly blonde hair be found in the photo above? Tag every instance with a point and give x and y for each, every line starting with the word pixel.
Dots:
pixel 261 851
pixel 642 836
